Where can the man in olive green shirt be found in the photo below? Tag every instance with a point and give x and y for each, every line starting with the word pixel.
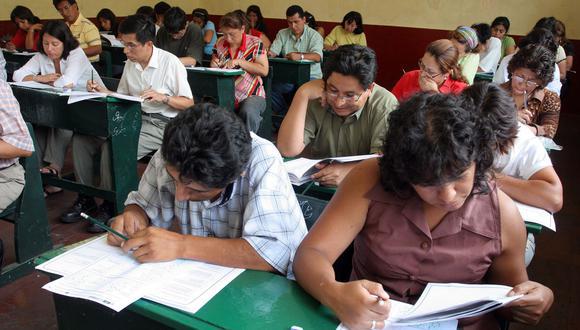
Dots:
pixel 343 114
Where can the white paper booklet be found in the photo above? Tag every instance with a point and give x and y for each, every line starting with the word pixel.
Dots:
pixel 113 40
pixel 105 274
pixel 299 170
pixel 77 96
pixel 443 302
pixel 199 68
pixel 37 85
pixel 537 215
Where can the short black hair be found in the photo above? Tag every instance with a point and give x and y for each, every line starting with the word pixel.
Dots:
pixel 354 16
pixel 56 2
pixel 174 20
pixel 432 140
pixel 161 8
pixel 146 11
pixel 208 145
pixel 201 14
pixel 141 25
pixel 501 20
pixel 23 13
pixel 539 36
pixel 497 114
pixel 537 58
pixel 293 10
pixel 352 60
pixel 483 31
pixel 60 31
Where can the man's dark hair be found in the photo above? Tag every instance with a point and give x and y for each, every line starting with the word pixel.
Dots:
pixel 432 140
pixel 146 11
pixel 23 13
pixel 207 144
pixel 174 20
pixel 161 8
pixel 483 31
pixel 352 60
pixel 142 26
pixel 497 114
pixel 56 2
pixel 501 20
pixel 539 59
pixel 293 10
pixel 354 16
pixel 60 31
pixel 539 36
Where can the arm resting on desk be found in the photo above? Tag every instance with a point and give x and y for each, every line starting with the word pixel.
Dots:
pixel 93 50
pixel 188 61
pixel 543 189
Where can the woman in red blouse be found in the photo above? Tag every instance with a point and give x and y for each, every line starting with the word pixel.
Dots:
pixel 26 37
pixel 438 72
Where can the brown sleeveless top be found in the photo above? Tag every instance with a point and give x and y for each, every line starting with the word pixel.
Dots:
pixel 397 249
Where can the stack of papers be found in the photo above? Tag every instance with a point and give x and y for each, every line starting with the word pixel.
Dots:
pixel 77 96
pixel 105 274
pixel 299 170
pixel 113 40
pixel 441 305
pixel 200 68
pixel 537 215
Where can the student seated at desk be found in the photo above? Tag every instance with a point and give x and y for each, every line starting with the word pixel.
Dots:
pixel 550 24
pixel 107 22
pixel 438 72
pixel 465 40
pixel 311 22
pixel 522 167
pixel 538 36
pixel 489 48
pixel 15 142
pixel 27 35
pixel 343 114
pixel 349 32
pixel 297 42
pixel 82 29
pixel 238 50
pixel 180 38
pixel 530 70
pixel 410 214
pixel 254 14
pixel 499 29
pixel 253 32
pixel 159 11
pixel 161 80
pixel 227 190
pixel 61 62
pixel 200 17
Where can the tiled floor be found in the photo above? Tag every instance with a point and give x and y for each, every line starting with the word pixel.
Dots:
pixel 24 305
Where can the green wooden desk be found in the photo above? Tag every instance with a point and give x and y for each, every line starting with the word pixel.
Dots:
pixel 118 57
pixel 254 300
pixel 118 120
pixel 483 76
pixel 216 84
pixel 14 61
pixel 286 71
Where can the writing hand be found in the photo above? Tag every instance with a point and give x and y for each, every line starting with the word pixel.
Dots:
pixel 154 244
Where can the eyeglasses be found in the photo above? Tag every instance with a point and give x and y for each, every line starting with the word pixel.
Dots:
pixel 346 98
pixel 423 68
pixel 529 83
pixel 131 45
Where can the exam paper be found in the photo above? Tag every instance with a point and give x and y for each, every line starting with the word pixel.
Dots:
pixel 537 215
pixel 105 274
pixel 77 96
pixel 300 169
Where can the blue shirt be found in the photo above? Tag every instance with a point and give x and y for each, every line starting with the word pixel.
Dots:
pixel 209 26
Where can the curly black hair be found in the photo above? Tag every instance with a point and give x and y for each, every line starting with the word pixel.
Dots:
pixel 432 140
pixel 536 58
pixel 497 114
pixel 174 20
pixel 208 145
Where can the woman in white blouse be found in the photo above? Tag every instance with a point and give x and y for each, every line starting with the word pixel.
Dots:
pixel 60 63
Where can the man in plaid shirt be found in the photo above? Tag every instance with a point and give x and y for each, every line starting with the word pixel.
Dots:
pixel 226 191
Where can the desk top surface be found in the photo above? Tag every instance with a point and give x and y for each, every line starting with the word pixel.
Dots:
pixel 285 60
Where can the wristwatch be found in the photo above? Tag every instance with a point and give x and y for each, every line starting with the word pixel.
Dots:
pixel 302 56
pixel 166 99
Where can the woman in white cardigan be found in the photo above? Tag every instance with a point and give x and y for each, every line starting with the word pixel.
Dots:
pixel 60 63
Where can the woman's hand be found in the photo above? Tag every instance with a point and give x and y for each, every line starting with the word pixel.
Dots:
pixel 536 301
pixel 46 78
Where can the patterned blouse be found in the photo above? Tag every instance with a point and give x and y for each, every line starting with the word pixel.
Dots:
pixel 250 49
pixel 545 108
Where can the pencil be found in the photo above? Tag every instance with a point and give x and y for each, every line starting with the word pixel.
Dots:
pixel 103 226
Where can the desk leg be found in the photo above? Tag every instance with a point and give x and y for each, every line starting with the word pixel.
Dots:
pixel 124 128
pixel 226 94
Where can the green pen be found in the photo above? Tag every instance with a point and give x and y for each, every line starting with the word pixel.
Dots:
pixel 103 226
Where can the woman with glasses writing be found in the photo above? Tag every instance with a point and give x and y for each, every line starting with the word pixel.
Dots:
pixel 438 72
pixel 530 70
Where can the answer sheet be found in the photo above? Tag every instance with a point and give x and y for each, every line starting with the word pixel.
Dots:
pixel 105 274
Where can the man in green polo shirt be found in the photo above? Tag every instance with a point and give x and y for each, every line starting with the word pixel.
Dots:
pixel 297 42
pixel 343 114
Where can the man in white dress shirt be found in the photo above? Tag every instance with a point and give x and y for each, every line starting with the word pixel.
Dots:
pixel 160 79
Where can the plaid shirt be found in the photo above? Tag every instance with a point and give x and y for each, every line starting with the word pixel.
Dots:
pixel 260 206
pixel 251 48
pixel 13 129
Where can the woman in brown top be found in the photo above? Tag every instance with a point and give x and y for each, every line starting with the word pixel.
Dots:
pixel 425 212
pixel 530 71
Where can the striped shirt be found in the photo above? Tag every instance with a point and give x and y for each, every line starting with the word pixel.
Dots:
pixel 260 206
pixel 86 33
pixel 13 130
pixel 250 49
